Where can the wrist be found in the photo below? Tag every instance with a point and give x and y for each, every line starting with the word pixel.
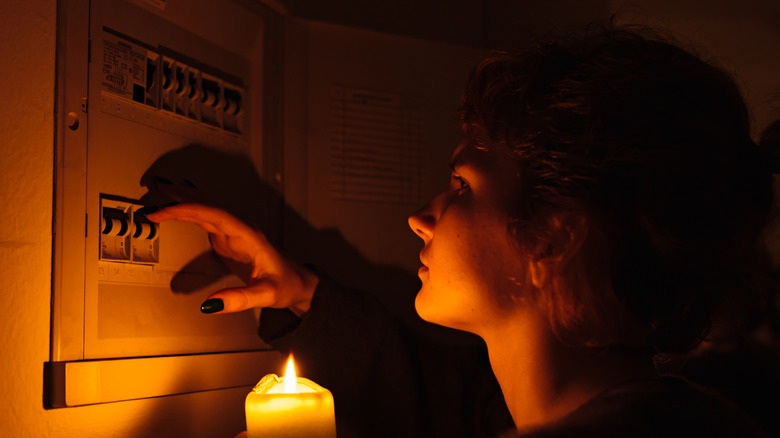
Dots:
pixel 309 280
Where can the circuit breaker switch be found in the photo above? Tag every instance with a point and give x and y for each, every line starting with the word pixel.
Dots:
pixel 233 111
pixel 113 226
pixel 211 100
pixel 211 97
pixel 232 105
pixel 144 230
pixel 114 235
pixel 169 84
pixel 145 240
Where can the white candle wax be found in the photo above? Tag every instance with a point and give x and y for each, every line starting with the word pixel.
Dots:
pixel 273 413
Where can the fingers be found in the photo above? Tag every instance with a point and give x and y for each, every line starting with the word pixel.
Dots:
pixel 272 280
pixel 238 299
pixel 229 236
pixel 293 291
pixel 212 220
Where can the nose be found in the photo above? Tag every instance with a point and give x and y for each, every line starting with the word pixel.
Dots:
pixel 422 222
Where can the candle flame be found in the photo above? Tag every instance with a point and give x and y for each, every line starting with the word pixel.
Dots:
pixel 290 381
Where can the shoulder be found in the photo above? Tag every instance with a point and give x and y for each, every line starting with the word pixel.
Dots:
pixel 664 407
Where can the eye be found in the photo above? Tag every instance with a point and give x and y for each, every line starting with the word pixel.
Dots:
pixel 458 184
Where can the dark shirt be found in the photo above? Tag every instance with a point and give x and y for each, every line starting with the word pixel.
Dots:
pixel 666 407
pixel 388 381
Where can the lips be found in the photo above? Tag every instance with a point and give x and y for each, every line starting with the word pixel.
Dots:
pixel 422 258
pixel 423 268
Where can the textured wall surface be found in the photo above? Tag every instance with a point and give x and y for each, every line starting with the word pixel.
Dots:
pixel 26 144
pixel 26 178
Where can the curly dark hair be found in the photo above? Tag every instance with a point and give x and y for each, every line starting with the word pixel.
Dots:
pixel 647 149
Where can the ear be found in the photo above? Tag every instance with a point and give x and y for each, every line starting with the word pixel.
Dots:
pixel 564 237
pixel 540 273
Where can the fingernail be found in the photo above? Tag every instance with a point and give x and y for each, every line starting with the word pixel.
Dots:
pixel 170 204
pixel 211 306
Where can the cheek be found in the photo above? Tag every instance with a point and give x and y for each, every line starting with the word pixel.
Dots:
pixel 495 265
pixel 447 292
pixel 470 262
pixel 455 245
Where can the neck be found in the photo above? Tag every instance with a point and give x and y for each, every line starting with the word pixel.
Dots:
pixel 543 380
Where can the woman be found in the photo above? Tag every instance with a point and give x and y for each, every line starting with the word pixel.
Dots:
pixel 604 209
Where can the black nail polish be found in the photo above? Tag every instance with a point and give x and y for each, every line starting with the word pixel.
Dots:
pixel 212 306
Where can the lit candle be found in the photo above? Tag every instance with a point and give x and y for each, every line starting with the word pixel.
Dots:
pixel 289 407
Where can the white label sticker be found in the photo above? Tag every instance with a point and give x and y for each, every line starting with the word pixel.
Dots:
pixel 124 67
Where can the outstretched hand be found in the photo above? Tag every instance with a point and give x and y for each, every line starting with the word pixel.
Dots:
pixel 271 279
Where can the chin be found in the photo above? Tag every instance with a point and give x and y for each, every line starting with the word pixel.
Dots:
pixel 425 308
pixel 436 313
pixel 419 306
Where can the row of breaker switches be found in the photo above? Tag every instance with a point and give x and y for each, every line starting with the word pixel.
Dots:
pixel 126 235
pixel 177 87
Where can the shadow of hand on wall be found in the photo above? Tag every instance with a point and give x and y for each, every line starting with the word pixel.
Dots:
pixel 229 181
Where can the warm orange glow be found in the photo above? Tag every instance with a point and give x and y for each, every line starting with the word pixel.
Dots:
pixel 290 380
pixel 290 406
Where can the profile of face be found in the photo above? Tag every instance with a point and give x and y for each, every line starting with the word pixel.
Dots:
pixel 472 270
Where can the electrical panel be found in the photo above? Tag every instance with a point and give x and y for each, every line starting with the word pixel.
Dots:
pixel 158 101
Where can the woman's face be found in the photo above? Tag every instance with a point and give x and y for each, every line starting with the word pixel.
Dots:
pixel 472 268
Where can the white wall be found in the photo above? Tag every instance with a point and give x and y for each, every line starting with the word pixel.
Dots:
pixel 26 174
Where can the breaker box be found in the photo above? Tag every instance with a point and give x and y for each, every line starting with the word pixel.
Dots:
pixel 154 95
